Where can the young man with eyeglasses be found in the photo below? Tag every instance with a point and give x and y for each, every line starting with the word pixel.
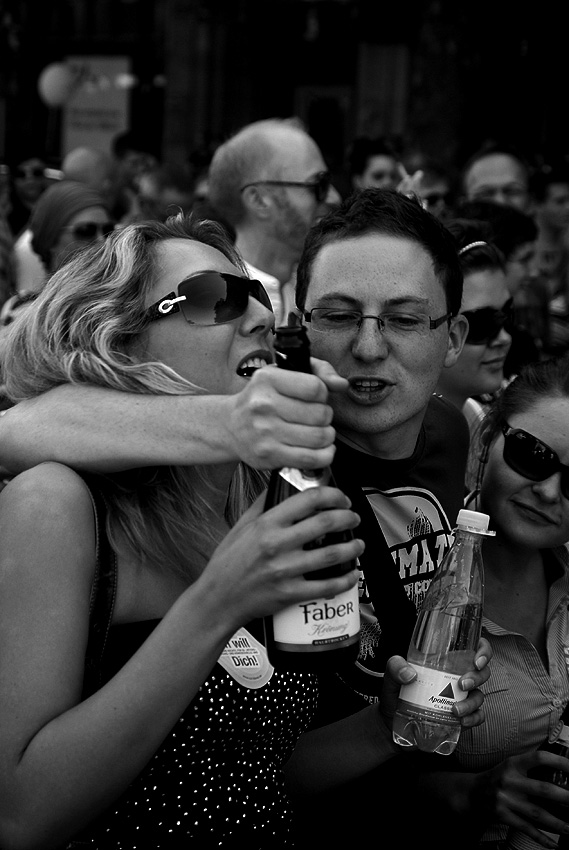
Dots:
pixel 270 183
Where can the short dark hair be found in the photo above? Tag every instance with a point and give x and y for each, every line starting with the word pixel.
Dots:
pixel 475 257
pixel 509 227
pixel 385 212
pixel 536 381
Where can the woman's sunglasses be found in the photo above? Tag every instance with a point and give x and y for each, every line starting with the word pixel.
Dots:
pixel 89 230
pixel 210 298
pixel 485 324
pixel 531 458
pixel 24 172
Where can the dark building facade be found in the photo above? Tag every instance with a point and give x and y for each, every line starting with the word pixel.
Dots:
pixel 434 75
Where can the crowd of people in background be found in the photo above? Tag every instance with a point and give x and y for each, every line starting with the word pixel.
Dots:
pixel 436 300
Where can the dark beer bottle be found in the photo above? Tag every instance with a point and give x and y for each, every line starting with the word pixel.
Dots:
pixel 317 633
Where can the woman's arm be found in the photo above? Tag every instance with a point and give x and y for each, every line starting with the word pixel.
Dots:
pixel 63 761
pixel 279 419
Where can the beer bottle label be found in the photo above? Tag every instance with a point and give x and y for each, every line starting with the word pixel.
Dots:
pixel 246 660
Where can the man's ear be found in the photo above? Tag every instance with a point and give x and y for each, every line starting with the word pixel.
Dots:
pixel 456 338
pixel 256 201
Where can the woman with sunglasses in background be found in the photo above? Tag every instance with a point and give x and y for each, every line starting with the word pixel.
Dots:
pixel 68 216
pixel 28 181
pixel 523 484
pixel 125 719
pixel 487 304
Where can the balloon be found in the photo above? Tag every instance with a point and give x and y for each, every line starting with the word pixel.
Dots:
pixel 55 84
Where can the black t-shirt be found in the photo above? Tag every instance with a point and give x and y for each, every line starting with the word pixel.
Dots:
pixel 408 509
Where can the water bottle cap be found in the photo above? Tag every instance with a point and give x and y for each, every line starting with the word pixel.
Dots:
pixel 473 520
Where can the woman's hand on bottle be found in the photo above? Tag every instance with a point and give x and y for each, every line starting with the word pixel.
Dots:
pixel 509 796
pixel 282 418
pixel 260 566
pixel 470 710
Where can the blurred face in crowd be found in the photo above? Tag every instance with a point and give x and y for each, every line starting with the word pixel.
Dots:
pixel 520 266
pixel 85 227
pixel 392 371
pixel 480 367
pixel 294 209
pixel 29 180
pixel 435 195
pixel 500 178
pixel 553 211
pixel 219 358
pixel 380 172
pixel 530 513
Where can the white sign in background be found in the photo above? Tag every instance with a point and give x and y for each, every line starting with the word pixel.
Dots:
pixel 98 108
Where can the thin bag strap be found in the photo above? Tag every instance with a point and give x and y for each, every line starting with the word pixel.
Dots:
pixel 103 594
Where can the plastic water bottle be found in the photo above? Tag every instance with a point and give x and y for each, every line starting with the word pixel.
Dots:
pixel 444 643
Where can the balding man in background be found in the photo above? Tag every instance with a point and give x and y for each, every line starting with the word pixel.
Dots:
pixel 270 183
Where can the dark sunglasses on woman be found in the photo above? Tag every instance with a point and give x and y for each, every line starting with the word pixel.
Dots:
pixel 89 230
pixel 531 458
pixel 210 298
pixel 485 324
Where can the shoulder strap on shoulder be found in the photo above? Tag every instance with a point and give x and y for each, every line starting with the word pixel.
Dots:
pixel 103 593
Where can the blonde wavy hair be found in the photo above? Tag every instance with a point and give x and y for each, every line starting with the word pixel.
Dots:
pixel 85 327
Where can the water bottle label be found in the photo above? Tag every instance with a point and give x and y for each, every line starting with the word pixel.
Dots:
pixel 434 690
pixel 318 624
pixel 246 660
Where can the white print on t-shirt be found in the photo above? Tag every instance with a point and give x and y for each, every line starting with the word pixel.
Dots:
pixel 417 532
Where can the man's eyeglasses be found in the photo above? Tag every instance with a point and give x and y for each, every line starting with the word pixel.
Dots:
pixel 88 230
pixel 511 192
pixel 327 320
pixel 26 171
pixel 531 458
pixel 320 185
pixel 210 298
pixel 485 324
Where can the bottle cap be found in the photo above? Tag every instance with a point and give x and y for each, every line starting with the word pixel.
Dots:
pixel 473 520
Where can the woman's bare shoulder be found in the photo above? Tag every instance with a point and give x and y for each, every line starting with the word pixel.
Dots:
pixel 50 491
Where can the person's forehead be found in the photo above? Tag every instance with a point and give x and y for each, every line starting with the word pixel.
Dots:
pixel 484 288
pixel 380 162
pixel 374 267
pixel 97 214
pixel 179 258
pixel 497 169
pixel 296 156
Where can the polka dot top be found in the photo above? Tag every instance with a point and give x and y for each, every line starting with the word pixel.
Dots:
pixel 217 779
